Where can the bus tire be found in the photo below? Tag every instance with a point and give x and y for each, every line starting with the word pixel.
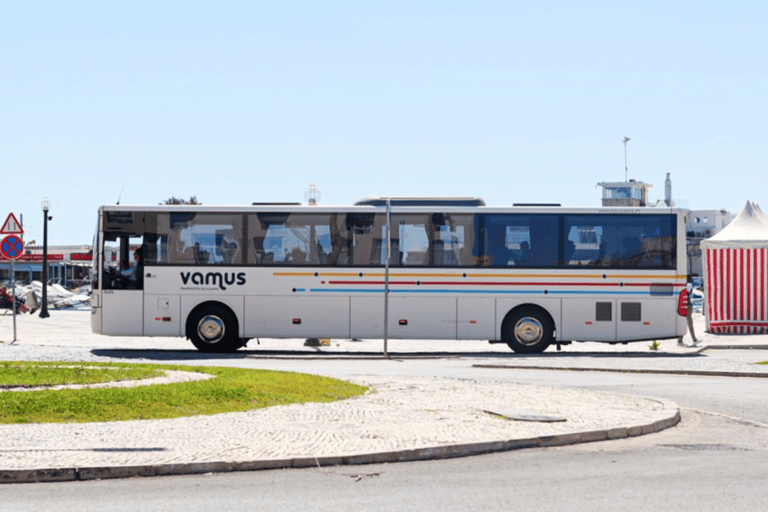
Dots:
pixel 528 330
pixel 213 328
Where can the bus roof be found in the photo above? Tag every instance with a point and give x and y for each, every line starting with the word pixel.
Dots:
pixel 421 201
pixel 404 208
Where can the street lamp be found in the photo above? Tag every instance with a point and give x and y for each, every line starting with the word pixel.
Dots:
pixel 46 204
pixel 626 171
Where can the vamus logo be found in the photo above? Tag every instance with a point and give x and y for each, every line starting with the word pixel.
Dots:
pixel 220 279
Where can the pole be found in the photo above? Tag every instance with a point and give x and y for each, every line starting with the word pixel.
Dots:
pixel 386 276
pixel 626 169
pixel 13 296
pixel 44 307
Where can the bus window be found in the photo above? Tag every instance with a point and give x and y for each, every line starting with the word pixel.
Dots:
pixel 205 238
pixel 621 241
pixel 156 238
pixel 295 239
pixel 123 262
pixel 122 251
pixel 521 240
pixel 452 240
pixel 410 231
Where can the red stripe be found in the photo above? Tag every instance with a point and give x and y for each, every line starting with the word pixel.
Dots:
pixel 763 289
pixel 743 282
pixel 725 289
pixel 747 283
pixel 497 283
pixel 722 283
pixel 731 297
pixel 756 284
pixel 739 283
pixel 763 325
pixel 711 299
pixel 753 285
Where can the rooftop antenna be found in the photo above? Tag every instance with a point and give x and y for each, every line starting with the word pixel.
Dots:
pixel 312 195
pixel 626 171
pixel 121 194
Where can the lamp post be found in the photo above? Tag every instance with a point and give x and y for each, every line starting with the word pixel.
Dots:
pixel 626 170
pixel 46 204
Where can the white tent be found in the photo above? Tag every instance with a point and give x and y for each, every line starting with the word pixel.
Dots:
pixel 736 275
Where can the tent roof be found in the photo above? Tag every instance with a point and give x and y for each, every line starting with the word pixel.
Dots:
pixel 748 229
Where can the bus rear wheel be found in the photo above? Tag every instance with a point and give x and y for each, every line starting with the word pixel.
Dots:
pixel 213 329
pixel 528 330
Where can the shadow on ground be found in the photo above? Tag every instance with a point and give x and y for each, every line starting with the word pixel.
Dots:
pixel 194 355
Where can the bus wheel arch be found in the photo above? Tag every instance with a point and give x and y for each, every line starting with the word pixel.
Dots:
pixel 528 329
pixel 213 327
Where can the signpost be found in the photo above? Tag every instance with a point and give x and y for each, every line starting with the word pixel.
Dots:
pixel 11 247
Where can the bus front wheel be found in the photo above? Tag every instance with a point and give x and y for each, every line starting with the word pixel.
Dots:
pixel 213 329
pixel 528 330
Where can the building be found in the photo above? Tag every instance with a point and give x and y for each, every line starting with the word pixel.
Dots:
pixel 701 225
pixel 69 266
pixel 625 193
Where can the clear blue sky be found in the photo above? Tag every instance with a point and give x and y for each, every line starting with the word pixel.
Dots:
pixel 242 101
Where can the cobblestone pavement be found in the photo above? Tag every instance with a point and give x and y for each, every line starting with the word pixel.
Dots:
pixel 400 419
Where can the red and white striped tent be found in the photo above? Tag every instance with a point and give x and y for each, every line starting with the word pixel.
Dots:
pixel 736 275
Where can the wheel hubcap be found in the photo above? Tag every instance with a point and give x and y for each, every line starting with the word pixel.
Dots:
pixel 529 331
pixel 211 329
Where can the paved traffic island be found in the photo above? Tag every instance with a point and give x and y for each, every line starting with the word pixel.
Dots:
pixel 400 419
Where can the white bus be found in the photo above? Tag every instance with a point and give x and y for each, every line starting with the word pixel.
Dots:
pixel 527 276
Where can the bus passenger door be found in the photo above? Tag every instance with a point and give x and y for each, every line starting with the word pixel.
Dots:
pixel 122 285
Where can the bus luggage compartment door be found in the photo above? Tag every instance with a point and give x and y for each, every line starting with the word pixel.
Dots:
pixel 589 320
pixel 162 315
pixel 647 319
pixel 409 317
pixel 297 317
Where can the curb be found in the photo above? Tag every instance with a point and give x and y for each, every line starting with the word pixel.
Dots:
pixel 736 347
pixel 669 416
pixel 702 373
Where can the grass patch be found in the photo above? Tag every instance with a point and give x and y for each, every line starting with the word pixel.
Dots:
pixel 31 374
pixel 232 390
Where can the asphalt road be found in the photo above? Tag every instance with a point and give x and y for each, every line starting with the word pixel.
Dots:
pixel 715 459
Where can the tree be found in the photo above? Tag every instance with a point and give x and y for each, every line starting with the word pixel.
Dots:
pixel 177 200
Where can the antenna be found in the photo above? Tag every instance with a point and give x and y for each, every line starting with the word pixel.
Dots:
pixel 121 194
pixel 626 171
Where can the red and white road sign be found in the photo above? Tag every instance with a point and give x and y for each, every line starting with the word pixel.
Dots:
pixel 11 247
pixel 11 226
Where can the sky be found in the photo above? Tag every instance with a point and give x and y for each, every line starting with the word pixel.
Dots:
pixel 514 101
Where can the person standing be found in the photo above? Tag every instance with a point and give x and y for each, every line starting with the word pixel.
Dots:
pixel 689 314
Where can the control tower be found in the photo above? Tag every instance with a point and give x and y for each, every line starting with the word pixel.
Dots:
pixel 625 193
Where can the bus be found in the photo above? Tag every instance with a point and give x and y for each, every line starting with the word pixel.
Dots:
pixel 529 276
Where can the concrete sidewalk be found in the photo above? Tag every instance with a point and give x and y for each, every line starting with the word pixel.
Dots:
pixel 404 418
